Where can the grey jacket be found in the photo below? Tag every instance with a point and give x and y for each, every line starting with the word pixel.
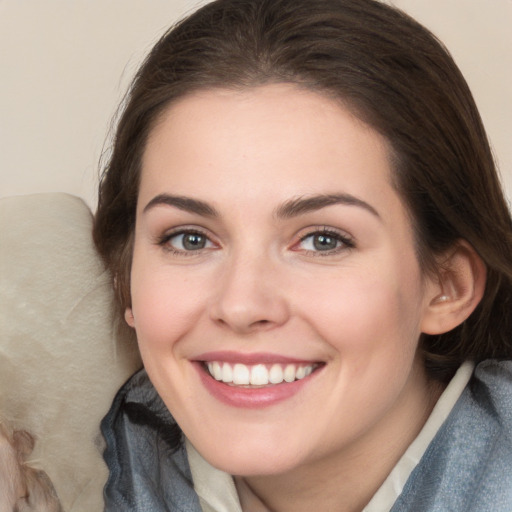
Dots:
pixel 467 467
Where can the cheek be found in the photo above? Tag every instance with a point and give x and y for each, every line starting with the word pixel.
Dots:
pixel 164 305
pixel 368 313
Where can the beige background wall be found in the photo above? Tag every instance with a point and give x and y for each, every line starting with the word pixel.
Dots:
pixel 64 65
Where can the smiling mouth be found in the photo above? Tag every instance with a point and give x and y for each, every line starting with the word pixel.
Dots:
pixel 258 375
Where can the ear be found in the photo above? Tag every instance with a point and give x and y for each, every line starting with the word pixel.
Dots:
pixel 456 291
pixel 128 317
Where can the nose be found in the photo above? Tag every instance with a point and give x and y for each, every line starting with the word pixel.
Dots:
pixel 249 297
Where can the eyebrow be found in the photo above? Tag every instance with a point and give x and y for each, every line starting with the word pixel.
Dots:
pixel 289 209
pixel 183 203
pixel 301 205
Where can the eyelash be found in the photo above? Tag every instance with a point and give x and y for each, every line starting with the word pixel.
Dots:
pixel 164 240
pixel 345 241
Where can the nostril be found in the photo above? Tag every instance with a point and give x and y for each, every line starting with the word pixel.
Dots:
pixel 248 327
pixel 260 324
pixel 249 311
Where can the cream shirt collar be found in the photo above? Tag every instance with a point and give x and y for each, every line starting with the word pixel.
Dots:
pixel 216 489
pixel 217 492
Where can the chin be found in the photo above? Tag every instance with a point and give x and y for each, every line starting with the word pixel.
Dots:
pixel 251 459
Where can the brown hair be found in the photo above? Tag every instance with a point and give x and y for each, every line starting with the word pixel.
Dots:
pixel 394 75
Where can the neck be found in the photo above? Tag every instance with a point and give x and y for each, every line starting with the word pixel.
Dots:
pixel 347 479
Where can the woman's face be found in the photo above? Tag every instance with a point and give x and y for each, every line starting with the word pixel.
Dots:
pixel 276 294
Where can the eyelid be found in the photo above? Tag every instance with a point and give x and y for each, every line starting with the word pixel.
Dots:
pixel 346 240
pixel 163 240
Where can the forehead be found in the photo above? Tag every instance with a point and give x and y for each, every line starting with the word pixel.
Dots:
pixel 276 141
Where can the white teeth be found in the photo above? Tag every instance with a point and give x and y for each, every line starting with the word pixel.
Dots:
pixel 227 373
pixel 276 374
pixel 259 374
pixel 240 374
pixel 300 373
pixel 217 371
pixel 289 373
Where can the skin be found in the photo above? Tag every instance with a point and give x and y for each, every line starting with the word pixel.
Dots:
pixel 260 285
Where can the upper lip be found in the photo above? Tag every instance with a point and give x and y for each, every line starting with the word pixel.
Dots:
pixel 250 358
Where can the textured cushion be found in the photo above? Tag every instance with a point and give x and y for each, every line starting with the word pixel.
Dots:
pixel 61 360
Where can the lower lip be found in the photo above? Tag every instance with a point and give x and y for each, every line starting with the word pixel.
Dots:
pixel 251 398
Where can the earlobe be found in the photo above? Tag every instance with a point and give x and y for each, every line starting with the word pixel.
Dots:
pixel 128 317
pixel 457 291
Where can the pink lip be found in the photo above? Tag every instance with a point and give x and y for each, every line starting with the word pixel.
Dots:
pixel 251 398
pixel 249 359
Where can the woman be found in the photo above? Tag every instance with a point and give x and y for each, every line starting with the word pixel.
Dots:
pixel 305 230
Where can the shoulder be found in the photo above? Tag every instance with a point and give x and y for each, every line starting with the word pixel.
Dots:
pixel 491 387
pixel 488 400
pixel 468 465
pixel 145 453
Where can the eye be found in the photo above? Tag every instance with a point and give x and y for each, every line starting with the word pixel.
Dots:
pixel 186 241
pixel 325 241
